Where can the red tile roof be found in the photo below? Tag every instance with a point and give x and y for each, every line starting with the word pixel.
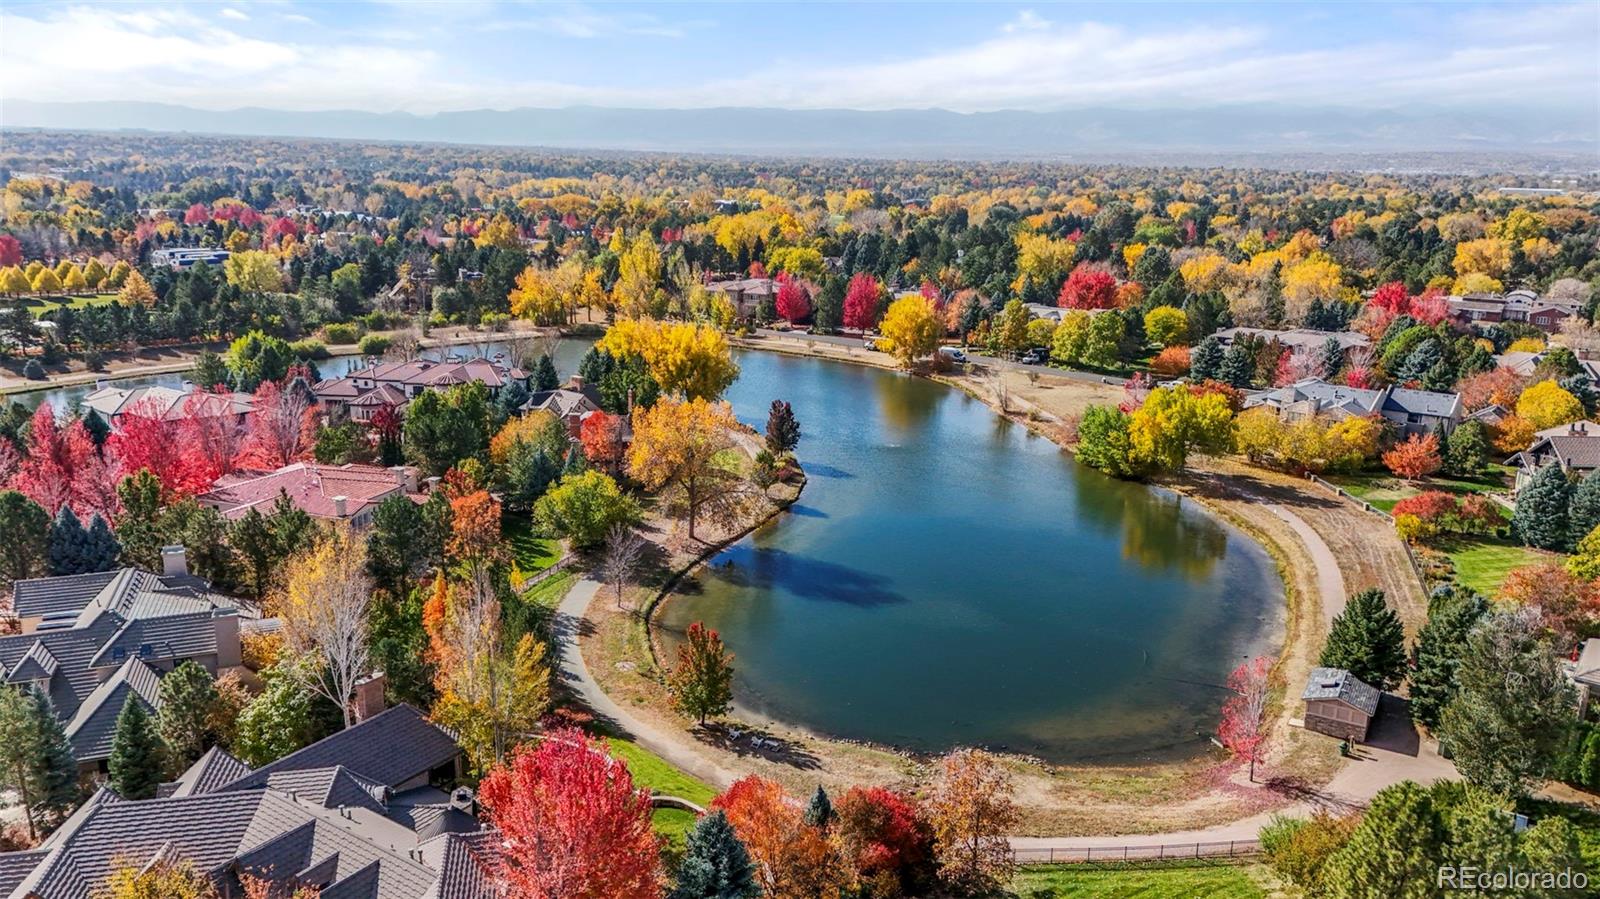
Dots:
pixel 311 487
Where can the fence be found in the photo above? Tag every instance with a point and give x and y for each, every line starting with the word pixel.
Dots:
pixel 1416 565
pixel 1117 854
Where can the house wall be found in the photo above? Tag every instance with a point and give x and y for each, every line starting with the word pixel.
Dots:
pixel 1336 719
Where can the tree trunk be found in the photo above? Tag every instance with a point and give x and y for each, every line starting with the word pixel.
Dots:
pixel 27 802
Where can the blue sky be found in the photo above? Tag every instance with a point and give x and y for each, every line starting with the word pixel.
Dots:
pixel 423 56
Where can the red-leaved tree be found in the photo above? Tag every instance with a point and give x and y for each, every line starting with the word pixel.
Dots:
pixel 1087 288
pixel 1244 715
pixel 146 438
pixel 1414 459
pixel 601 437
pixel 10 250
pixel 791 857
pixel 1391 297
pixel 212 430
pixel 882 832
pixel 281 427
pixel 794 301
pixel 861 302
pixel 196 214
pixel 572 824
pixel 60 466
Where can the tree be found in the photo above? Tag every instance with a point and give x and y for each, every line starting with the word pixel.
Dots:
pixel 47 281
pixel 1466 450
pixel 1584 562
pixel 1367 640
pixel 100 546
pixel 253 271
pixel 624 550
pixel 1452 614
pixel 690 360
pixel 1244 715
pixel 36 758
pixel 1010 327
pixel 1104 442
pixel 444 428
pixel 794 301
pixel 147 439
pixel 24 538
pixel 883 833
pixel 326 603
pixel 701 683
pixel 1583 511
pixel 912 328
pixel 685 446
pixel 783 431
pixel 256 357
pixel 971 811
pixel 1167 326
pixel 61 466
pixel 1416 458
pixel 1205 361
pixel 544 376
pixel 68 544
pixel 1173 422
pixel 265 541
pixel 188 702
pixel 573 823
pixel 584 507
pixel 282 428
pixel 1087 288
pixel 601 436
pixel 1394 852
pixel 861 299
pixel 284 717
pixel 1541 514
pixel 1566 606
pixel 163 879
pixel 793 860
pixel 716 864
pixel 819 811
pixel 1102 345
pixel 137 756
pixel 1513 705
pixel 1547 405
pixel 10 251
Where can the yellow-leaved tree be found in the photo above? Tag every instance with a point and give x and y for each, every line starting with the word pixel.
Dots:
pixel 687 359
pixel 133 879
pixel 13 282
pixel 687 447
pixel 912 328
pixel 254 270
pixel 1172 423
pixel 325 607
pixel 638 288
pixel 1546 405
pixel 135 289
pixel 548 296
pixel 46 282
pixel 74 281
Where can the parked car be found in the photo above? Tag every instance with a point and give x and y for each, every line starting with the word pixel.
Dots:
pixel 953 353
pixel 1036 356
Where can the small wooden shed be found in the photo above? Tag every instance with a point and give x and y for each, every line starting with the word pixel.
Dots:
pixel 1339 704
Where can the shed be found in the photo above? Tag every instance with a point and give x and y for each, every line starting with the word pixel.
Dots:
pixel 1339 704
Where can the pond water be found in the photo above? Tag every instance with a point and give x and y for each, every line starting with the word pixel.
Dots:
pixel 949 578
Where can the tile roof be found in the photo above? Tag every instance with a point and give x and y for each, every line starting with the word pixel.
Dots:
pixel 1337 683
pixel 390 748
pixel 94 725
pixel 213 769
pixel 37 597
pixel 310 486
pixel 14 866
pixel 38 665
pixel 1359 401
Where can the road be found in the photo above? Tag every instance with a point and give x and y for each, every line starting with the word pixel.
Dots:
pixel 856 342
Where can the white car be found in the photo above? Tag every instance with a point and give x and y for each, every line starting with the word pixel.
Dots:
pixel 953 353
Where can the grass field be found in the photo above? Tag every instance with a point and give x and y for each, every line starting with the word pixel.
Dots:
pixel 532 552
pixel 1483 563
pixel 1384 490
pixel 39 305
pixel 654 773
pixel 1137 882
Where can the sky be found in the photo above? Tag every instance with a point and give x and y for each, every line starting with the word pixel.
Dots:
pixel 424 57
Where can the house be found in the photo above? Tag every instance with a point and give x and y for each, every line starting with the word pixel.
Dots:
pixel 178 258
pixel 1299 341
pixel 1520 305
pixel 1476 308
pixel 572 403
pixel 394 384
pixel 113 404
pixel 1575 447
pixel 1525 363
pixel 363 813
pixel 1411 411
pixel 1583 669
pixel 1339 704
pixel 94 642
pixel 746 294
pixel 347 493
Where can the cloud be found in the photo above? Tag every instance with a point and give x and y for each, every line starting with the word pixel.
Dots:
pixel 238 15
pixel 1474 58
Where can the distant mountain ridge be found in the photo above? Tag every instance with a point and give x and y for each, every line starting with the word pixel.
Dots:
pixel 914 133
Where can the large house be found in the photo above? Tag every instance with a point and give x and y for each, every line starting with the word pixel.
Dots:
pixel 394 384
pixel 746 294
pixel 1575 447
pixel 572 403
pixel 179 258
pixel 94 642
pixel 1411 411
pixel 1299 341
pixel 114 404
pixel 1519 305
pixel 1525 363
pixel 363 814
pixel 347 493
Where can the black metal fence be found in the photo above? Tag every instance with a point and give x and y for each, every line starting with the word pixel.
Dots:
pixel 1170 852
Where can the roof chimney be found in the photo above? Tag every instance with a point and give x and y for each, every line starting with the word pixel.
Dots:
pixel 577 382
pixel 174 560
pixel 406 477
pixel 341 506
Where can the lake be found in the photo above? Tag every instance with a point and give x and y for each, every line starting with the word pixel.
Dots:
pixel 948 578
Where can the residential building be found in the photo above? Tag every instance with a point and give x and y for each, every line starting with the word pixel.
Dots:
pixel 363 814
pixel 1574 447
pixel 114 403
pixel 1521 305
pixel 746 294
pixel 178 258
pixel 1411 411
pixel 347 493
pixel 1583 669
pixel 1300 341
pixel 94 642
pixel 1476 308
pixel 1339 704
pixel 1525 363
pixel 572 403
pixel 395 384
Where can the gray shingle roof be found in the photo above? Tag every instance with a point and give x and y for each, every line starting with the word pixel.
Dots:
pixel 1337 683
pixel 37 597
pixel 388 748
pixel 38 665
pixel 213 769
pixel 14 866
pixel 1570 452
pixel 94 726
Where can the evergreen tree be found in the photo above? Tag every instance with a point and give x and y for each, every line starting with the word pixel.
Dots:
pixel 68 541
pixel 1238 366
pixel 24 538
pixel 783 430
pixel 1272 294
pixel 1205 363
pixel 716 864
pixel 97 427
pixel 188 699
pixel 827 307
pixel 1451 616
pixel 544 376
pixel 58 791
pixel 1581 387
pixel 1552 844
pixel 136 753
pixel 100 549
pixel 819 812
pixel 35 758
pixel 1466 450
pixel 1368 641
pixel 1583 513
pixel 138 527
pixel 1395 852
pixel 1332 357
pixel 1541 516
pixel 1417 363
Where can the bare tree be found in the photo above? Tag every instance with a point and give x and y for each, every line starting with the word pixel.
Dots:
pixel 624 550
pixel 995 378
pixel 405 346
pixel 324 608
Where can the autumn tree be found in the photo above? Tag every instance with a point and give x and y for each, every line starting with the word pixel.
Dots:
pixel 793 860
pixel 620 560
pixel 163 879
pixel 687 447
pixel 282 427
pixel 971 810
pixel 1546 405
pixel 325 607
pixel 861 300
pixel 1244 715
pixel 601 435
pixel 794 301
pixel 701 683
pixel 148 440
pixel 60 466
pixel 1172 423
pixel 572 822
pixel 884 835
pixel 253 271
pixel 1416 458
pixel 1167 326
pixel 690 360
pixel 911 328
pixel 1088 288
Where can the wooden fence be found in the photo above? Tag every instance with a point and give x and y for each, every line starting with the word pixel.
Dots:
pixel 1170 852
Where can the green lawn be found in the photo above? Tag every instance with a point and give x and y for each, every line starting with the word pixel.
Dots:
pixel 654 773
pixel 1135 882
pixel 1383 490
pixel 550 591
pixel 1483 563
pixel 532 552
pixel 39 305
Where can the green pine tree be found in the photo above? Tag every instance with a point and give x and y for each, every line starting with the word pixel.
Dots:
pixel 24 538
pixel 36 758
pixel 1395 853
pixel 188 699
pixel 1238 366
pixel 544 376
pixel 819 812
pixel 716 864
pixel 1552 844
pixel 1466 450
pixel 1368 641
pixel 1541 516
pixel 97 427
pixel 136 761
pixel 67 544
pixel 1440 644
pixel 100 546
pixel 138 528
pixel 1583 512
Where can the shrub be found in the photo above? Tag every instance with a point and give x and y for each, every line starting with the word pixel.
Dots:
pixel 495 321
pixel 341 332
pixel 309 348
pixel 1416 458
pixel 1171 362
pixel 1298 848
pixel 374 345
pixel 1434 512
pixel 33 371
pixel 583 508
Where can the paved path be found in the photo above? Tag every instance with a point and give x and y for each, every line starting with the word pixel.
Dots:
pixel 858 343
